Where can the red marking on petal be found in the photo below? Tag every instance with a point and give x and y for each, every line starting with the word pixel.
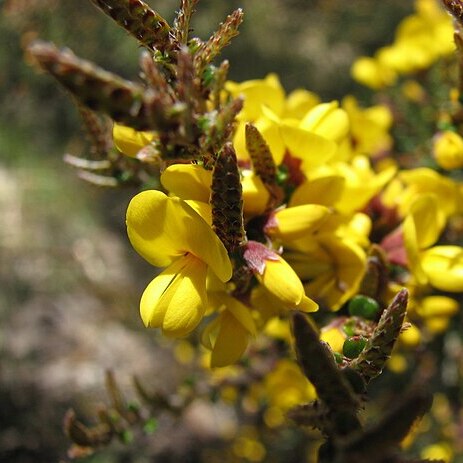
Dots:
pixel 256 254
pixel 394 246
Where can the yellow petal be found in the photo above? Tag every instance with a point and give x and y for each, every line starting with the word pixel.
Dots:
pixel 323 190
pixel 413 250
pixel 444 267
pixel 241 313
pixel 257 94
pixel 188 181
pixel 255 194
pixel 341 265
pixel 335 337
pixel 188 303
pixel 437 306
pixel 372 73
pixel 176 299
pixel 231 342
pixel 425 212
pixel 314 150
pixel 294 222
pixel 202 209
pixel 162 228
pixel 299 102
pixel 281 280
pixel 209 333
pixel 149 305
pixel 130 141
pixel 327 120
pixel 448 150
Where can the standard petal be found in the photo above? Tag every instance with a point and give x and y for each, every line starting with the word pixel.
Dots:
pixel 295 222
pixel 327 120
pixel 130 141
pixel 314 150
pixel 188 181
pixel 162 228
pixel 323 190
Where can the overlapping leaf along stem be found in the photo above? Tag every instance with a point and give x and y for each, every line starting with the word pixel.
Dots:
pixel 179 79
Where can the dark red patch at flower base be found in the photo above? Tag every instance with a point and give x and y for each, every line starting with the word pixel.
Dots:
pixel 394 246
pixel 256 254
pixel 383 218
pixel 295 175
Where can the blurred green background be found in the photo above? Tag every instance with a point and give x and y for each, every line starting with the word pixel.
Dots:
pixel 69 281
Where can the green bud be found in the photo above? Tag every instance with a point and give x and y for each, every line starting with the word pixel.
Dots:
pixel 338 358
pixel 353 346
pixel 363 306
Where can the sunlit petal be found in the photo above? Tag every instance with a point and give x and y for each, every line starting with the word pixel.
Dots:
pixel 231 342
pixel 188 181
pixel 444 267
pixel 130 141
pixel 294 222
pixel 162 228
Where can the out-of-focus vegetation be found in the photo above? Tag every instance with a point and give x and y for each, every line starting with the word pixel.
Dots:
pixel 69 287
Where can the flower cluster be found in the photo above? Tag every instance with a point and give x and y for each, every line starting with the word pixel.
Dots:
pixel 270 203
pixel 309 228
pixel 421 39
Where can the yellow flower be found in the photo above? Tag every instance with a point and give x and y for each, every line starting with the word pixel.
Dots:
pixel 334 336
pixel 440 266
pixel 130 141
pixel 448 150
pixel 227 336
pixel 331 268
pixel 354 184
pixel 420 230
pixel 257 94
pixel 192 182
pixel 420 40
pixel 168 232
pixel 255 194
pixel 371 73
pixel 295 222
pixel 368 127
pixel 444 267
pixel 436 312
pixel 277 277
pixel 422 181
pixel 285 386
pixel 188 181
pixel 325 190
